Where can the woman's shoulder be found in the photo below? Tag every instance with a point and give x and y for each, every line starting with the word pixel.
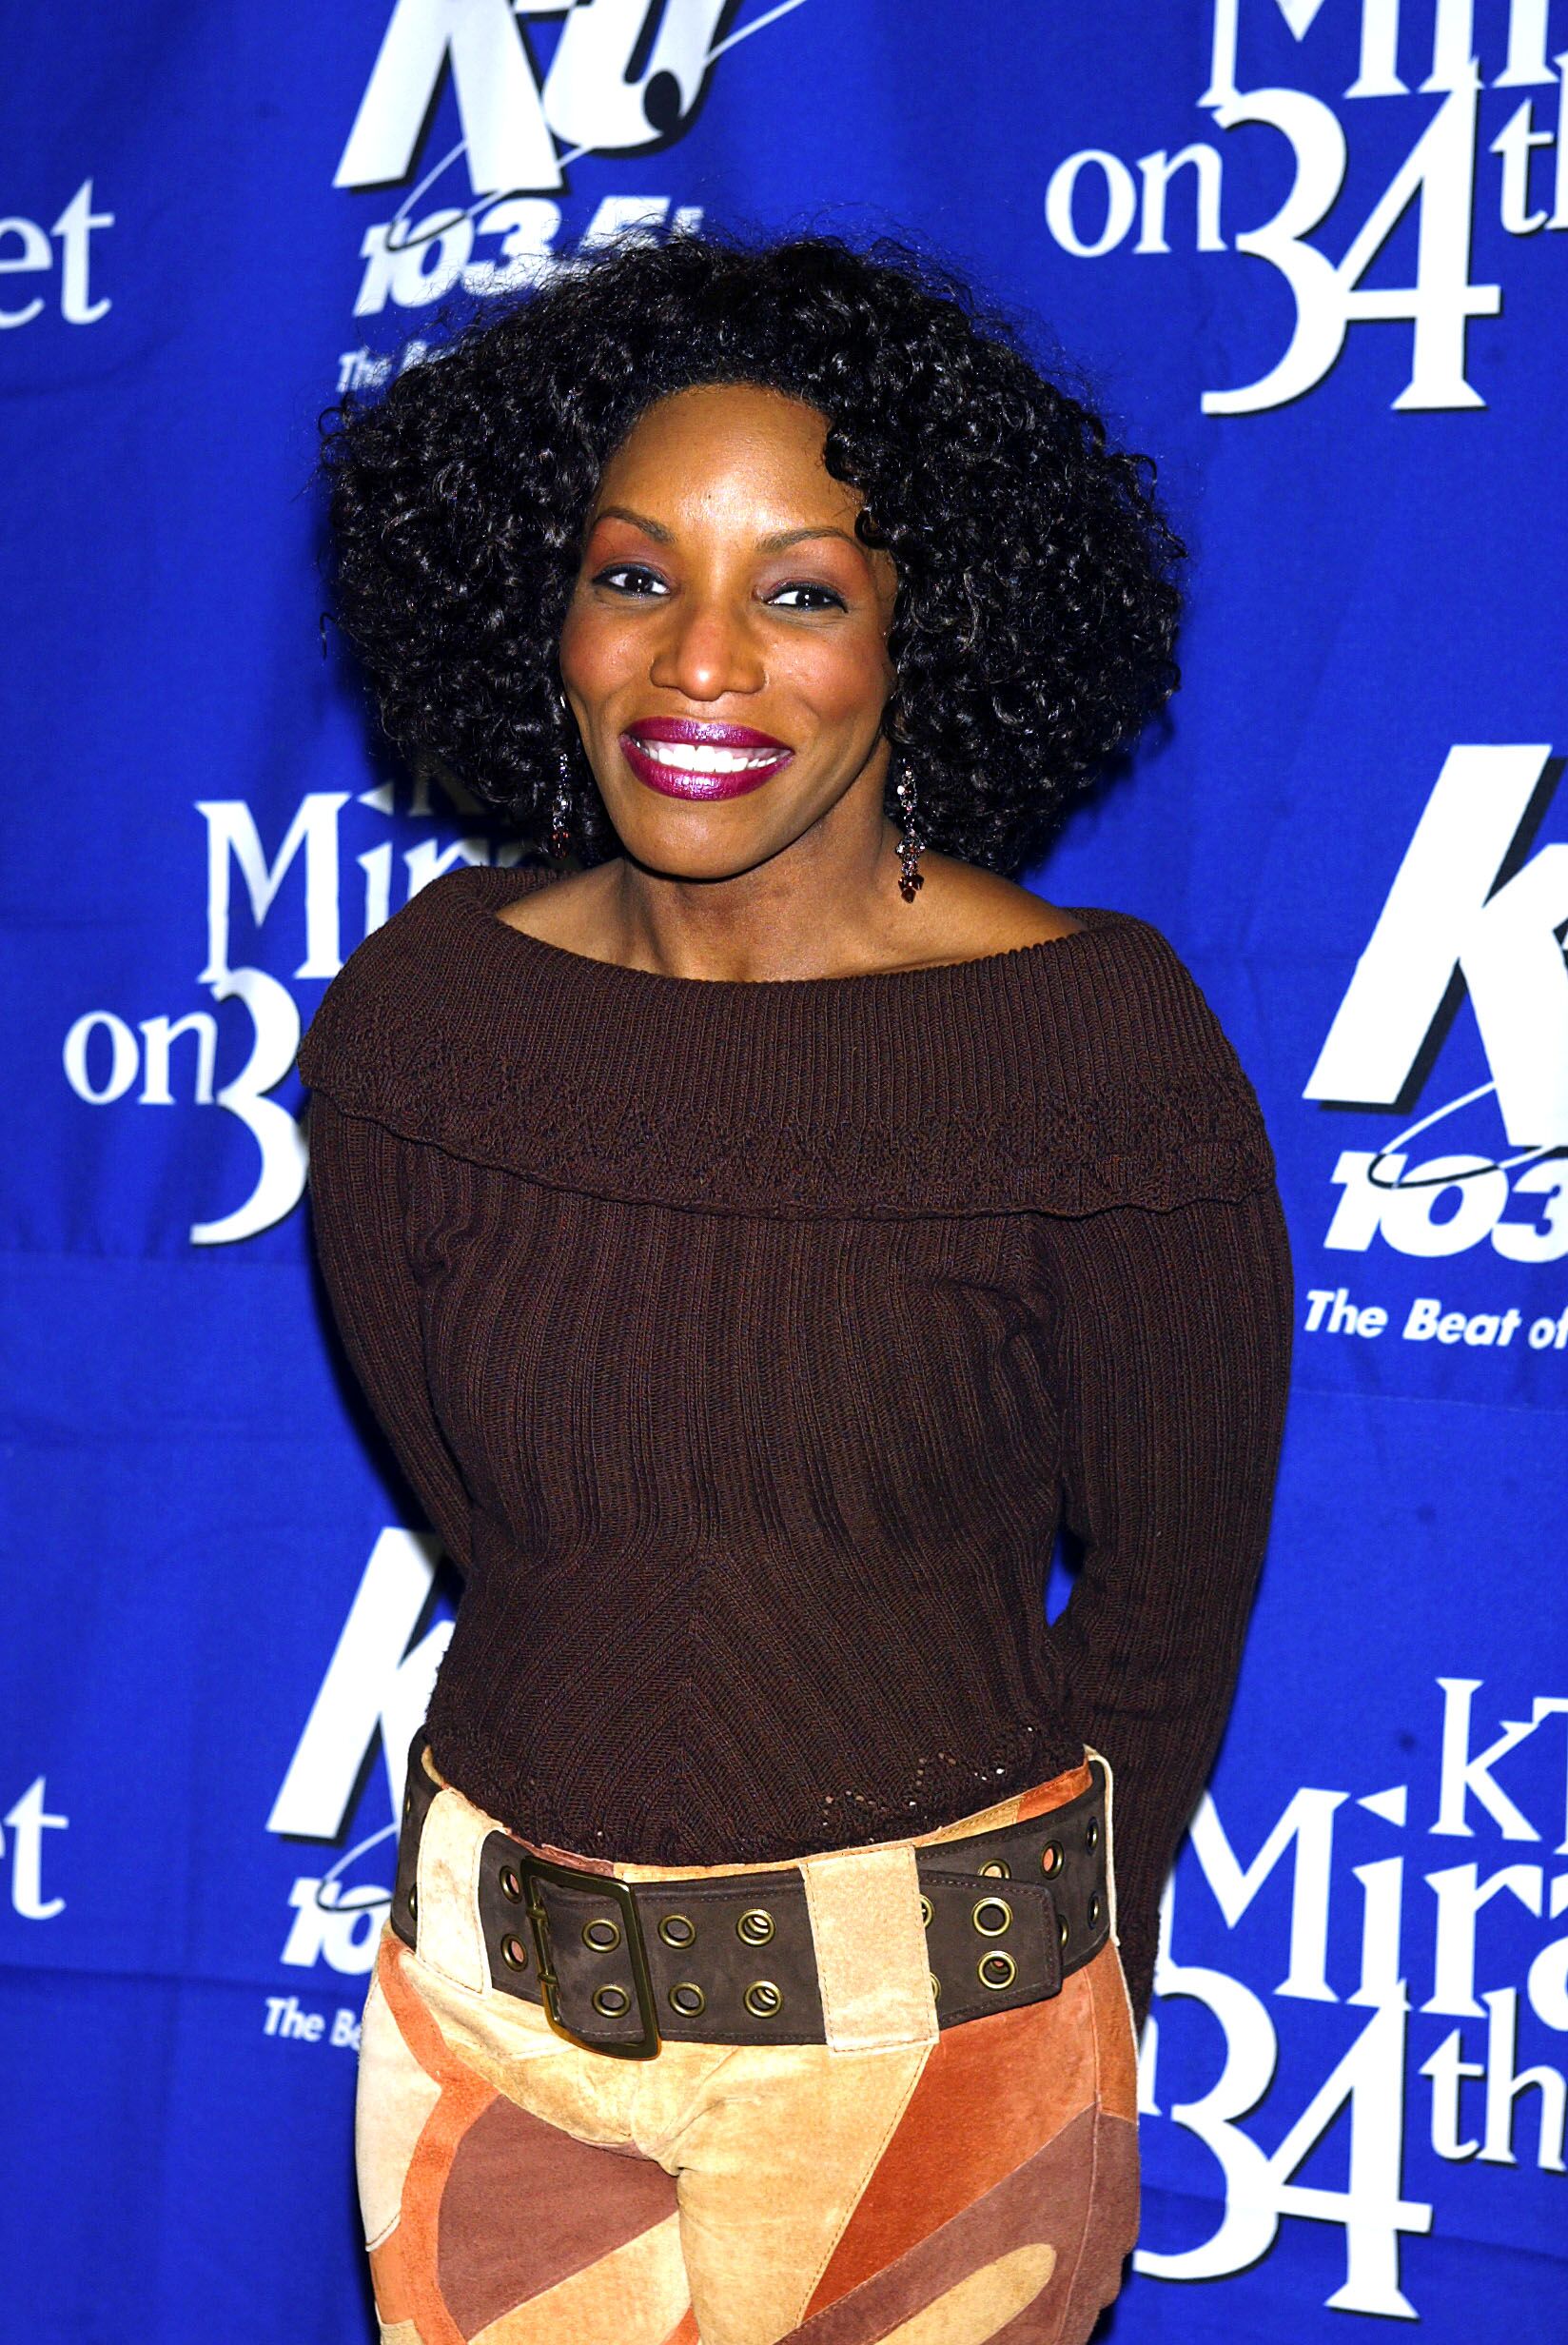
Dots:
pixel 1114 1000
pixel 963 913
pixel 1110 991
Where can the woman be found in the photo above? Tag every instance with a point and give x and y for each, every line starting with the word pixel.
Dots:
pixel 754 1242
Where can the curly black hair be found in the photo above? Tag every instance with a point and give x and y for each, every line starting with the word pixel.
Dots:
pixel 1037 600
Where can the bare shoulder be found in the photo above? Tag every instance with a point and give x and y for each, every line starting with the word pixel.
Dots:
pixel 975 911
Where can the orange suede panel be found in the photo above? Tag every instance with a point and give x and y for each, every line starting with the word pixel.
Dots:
pixel 1041 1798
pixel 404 2269
pixel 992 2093
pixel 1113 2031
pixel 417 2029
pixel 685 2330
pixel 386 2279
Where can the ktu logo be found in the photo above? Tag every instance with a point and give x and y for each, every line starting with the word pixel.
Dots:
pixel 376 1691
pixel 1472 912
pixel 626 75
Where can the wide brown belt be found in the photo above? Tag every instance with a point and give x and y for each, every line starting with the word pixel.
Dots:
pixel 621 1966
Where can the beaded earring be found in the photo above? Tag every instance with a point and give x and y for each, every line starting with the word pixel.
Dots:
pixel 911 878
pixel 561 811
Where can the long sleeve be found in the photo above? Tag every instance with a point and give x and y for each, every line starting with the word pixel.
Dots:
pixel 1172 1340
pixel 359 1174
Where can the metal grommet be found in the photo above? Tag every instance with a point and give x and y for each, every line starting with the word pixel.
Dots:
pixel 1094 1911
pixel 412 1901
pixel 983 1911
pixel 1051 1860
pixel 762 1999
pixel 407 1806
pixel 513 1954
pixel 677 1930
pixel 602 1934
pixel 997 1869
pixel 924 1909
pixel 1062 1929
pixel 511 1883
pixel 936 1988
pixel 996 1970
pixel 687 1997
pixel 613 2002
pixel 755 1926
pixel 1091 1834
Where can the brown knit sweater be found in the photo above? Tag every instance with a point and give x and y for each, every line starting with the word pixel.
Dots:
pixel 746 1343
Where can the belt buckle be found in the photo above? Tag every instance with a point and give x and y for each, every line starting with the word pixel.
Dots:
pixel 620 1893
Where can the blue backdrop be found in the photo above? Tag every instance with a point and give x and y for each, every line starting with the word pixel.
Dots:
pixel 1312 256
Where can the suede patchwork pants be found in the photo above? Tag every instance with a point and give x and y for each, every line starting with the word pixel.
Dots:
pixel 973 2185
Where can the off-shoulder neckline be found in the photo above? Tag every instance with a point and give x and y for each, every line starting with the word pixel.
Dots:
pixel 1064 1076
pixel 489 888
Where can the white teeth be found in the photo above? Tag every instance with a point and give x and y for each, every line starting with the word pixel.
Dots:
pixel 702 758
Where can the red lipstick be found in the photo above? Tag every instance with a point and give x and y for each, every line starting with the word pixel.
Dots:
pixel 682 757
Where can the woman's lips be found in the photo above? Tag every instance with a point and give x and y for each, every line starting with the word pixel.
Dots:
pixel 681 757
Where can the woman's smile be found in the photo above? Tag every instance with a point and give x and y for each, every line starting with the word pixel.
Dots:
pixel 683 757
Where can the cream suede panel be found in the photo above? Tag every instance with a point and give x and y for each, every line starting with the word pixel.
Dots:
pixel 772 2162
pixel 983 1820
pixel 981 2306
pixel 394 2098
pixel 448 1918
pixel 1110 1891
pixel 398 2333
pixel 511 2045
pixel 1110 1834
pixel 634 2295
pixel 870 1948
pixel 618 2104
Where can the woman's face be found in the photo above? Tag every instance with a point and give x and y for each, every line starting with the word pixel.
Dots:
pixel 725 652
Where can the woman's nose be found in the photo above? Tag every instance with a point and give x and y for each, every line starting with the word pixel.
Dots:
pixel 707 649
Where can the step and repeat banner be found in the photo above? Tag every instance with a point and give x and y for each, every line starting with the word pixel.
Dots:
pixel 1311 254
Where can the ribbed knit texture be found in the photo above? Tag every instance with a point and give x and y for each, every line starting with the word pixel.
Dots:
pixel 747 1343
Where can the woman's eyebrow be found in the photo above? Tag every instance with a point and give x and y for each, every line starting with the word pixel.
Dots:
pixel 638 520
pixel 774 544
pixel 782 537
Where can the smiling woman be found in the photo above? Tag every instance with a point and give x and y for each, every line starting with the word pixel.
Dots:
pixel 728 629
pixel 757 1242
pixel 720 570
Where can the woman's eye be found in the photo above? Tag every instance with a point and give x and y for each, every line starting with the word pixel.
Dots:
pixel 822 597
pixel 630 577
pixel 634 578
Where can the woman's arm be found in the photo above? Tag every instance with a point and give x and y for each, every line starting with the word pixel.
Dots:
pixel 1172 1336
pixel 358 1177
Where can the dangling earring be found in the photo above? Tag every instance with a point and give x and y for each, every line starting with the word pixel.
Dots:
pixel 911 878
pixel 561 811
